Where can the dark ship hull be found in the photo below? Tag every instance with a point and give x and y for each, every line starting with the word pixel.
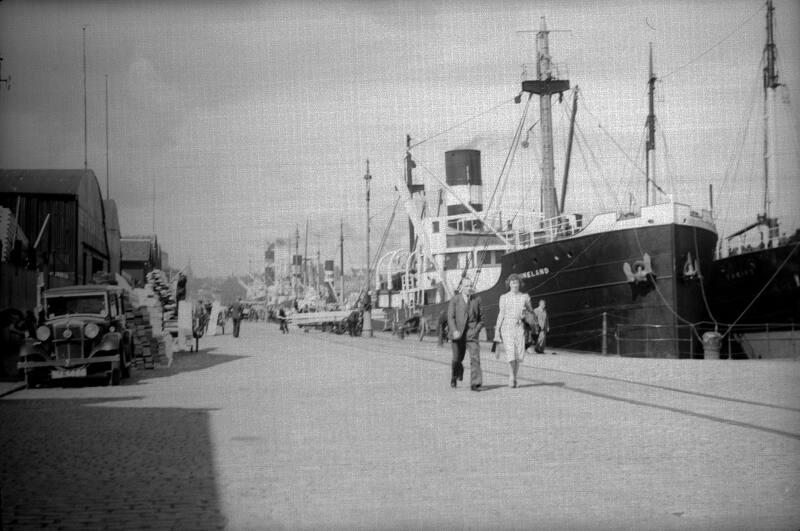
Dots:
pixel 758 288
pixel 582 278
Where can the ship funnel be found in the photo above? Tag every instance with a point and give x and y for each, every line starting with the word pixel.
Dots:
pixel 463 176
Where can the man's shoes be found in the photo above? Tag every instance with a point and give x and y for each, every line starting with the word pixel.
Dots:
pixel 475 387
pixel 453 384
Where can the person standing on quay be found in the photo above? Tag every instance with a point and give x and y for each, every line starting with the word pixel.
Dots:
pixel 282 318
pixel 465 321
pixel 542 326
pixel 236 315
pixel 510 327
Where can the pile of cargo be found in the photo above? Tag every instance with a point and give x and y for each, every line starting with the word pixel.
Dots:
pixel 152 319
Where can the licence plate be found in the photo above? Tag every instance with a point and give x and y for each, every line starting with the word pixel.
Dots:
pixel 68 373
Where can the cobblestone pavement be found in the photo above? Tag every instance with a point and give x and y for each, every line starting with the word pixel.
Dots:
pixel 312 430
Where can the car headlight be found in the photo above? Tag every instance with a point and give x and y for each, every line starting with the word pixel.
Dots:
pixel 91 330
pixel 43 333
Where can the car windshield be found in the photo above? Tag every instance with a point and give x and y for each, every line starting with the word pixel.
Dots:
pixel 65 305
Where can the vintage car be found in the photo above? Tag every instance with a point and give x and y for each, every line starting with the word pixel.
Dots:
pixel 84 335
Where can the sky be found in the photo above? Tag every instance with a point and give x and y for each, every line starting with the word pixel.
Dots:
pixel 231 124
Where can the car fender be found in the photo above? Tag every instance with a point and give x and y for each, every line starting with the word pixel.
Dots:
pixel 33 352
pixel 111 342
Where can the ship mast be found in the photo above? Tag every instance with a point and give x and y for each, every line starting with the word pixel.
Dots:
pixel 770 82
pixel 651 135
pixel 545 85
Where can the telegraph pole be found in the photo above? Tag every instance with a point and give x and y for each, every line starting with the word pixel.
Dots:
pixel 6 80
pixel 108 193
pixel 368 312
pixel 341 260
pixel 85 125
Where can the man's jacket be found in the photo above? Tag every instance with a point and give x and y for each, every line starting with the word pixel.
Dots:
pixel 465 317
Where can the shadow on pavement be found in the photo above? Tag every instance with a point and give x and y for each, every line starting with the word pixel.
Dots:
pixel 544 384
pixel 186 362
pixel 75 463
pixel 673 389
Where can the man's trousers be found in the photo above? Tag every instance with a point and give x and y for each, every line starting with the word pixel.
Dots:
pixel 460 346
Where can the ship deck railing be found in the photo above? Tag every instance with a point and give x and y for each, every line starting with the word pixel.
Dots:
pixel 744 248
pixel 521 231
pixel 558 70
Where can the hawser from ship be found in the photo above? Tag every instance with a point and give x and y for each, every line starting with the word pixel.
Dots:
pixel 624 273
pixel 755 282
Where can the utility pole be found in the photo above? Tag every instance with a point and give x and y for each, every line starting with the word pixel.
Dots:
pixel 368 178
pixel 368 312
pixel 305 260
pixel 6 80
pixel 341 259
pixel 108 193
pixel 85 125
pixel 317 269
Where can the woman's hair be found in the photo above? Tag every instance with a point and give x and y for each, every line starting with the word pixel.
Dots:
pixel 511 277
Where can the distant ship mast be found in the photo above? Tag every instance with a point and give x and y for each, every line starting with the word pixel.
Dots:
pixel 770 82
pixel 651 135
pixel 545 85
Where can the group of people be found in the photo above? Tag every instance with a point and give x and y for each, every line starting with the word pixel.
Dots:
pixel 465 322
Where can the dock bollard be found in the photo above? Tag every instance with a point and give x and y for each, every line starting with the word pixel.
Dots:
pixel 711 344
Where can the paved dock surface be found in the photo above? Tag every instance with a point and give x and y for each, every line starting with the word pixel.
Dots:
pixel 313 431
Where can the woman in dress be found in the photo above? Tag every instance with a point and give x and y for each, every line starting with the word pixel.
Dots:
pixel 510 327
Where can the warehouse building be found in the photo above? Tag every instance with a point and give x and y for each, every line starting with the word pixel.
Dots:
pixel 63 211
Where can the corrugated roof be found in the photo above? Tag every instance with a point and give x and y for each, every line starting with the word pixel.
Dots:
pixel 57 182
pixel 135 250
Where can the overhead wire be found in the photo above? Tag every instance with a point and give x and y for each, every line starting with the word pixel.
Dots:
pixel 725 38
pixel 613 140
pixel 487 111
pixel 509 155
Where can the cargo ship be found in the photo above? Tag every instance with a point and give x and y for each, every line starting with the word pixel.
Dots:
pixel 615 283
pixel 755 282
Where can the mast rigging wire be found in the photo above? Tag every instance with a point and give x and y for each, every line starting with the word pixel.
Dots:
pixel 603 129
pixel 487 111
pixel 729 35
pixel 510 154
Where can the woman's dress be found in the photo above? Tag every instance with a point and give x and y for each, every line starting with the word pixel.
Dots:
pixel 510 324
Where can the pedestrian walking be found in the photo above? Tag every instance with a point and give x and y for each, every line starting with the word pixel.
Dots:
pixel 442 334
pixel 236 315
pixel 465 321
pixel 510 326
pixel 282 319
pixel 542 326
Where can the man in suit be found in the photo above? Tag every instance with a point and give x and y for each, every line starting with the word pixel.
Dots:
pixel 465 321
pixel 236 315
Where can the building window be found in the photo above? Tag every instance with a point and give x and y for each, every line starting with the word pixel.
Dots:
pixel 435 227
